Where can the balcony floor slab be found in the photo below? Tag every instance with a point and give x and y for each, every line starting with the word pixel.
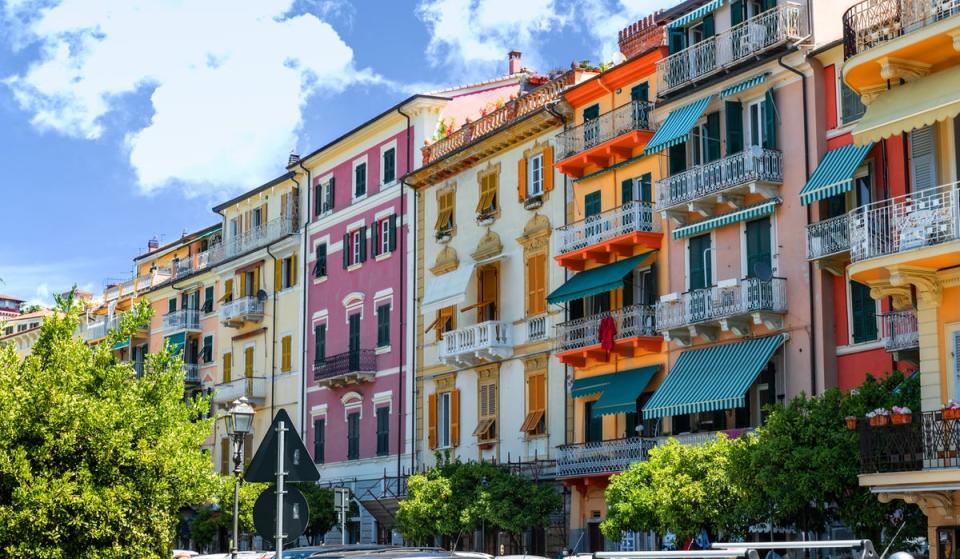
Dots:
pixel 625 246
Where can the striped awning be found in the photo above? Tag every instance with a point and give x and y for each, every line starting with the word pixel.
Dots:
pixel 621 393
pixel 834 175
pixel 589 386
pixel 677 125
pixel 695 14
pixel 744 85
pixel 125 342
pixel 598 280
pixel 711 379
pixel 764 208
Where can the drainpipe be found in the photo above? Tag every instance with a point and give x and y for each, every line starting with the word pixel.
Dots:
pixel 273 337
pixel 401 245
pixel 305 308
pixel 806 172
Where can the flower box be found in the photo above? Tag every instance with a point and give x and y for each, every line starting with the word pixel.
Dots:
pixel 851 423
pixel 879 420
pixel 901 418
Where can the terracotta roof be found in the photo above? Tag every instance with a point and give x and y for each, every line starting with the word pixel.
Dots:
pixel 10 298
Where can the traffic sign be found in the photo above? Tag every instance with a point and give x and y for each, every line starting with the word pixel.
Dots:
pixel 296 514
pixel 296 459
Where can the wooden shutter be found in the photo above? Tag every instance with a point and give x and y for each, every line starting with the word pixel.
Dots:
pixel 393 232
pixel 256 281
pixel 227 366
pixel 592 204
pixel 733 111
pixel 225 452
pixel 293 270
pixel 318 199
pixel 277 274
pixel 626 191
pixel 522 179
pixel 248 362
pixel 548 169
pixel 432 421
pixel 363 243
pixel 346 250
pixel 864 310
pixel 713 136
pixel 923 158
pixel 758 247
pixel 736 12
pixel 455 418
pixel 646 188
pixel 769 121
pixel 172 305
pixel 768 4
pixel 676 40
pixel 285 351
pixel 536 284
pixel 241 280
pixel 708 26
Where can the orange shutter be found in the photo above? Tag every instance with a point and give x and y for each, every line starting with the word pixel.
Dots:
pixel 522 179
pixel 541 392
pixel 293 270
pixel 227 366
pixel 256 281
pixel 548 169
pixel 225 452
pixel 432 421
pixel 248 362
pixel 277 274
pixel 241 279
pixel 540 273
pixel 530 285
pixel 455 418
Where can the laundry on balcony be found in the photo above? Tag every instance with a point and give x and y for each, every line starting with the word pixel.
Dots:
pixel 712 379
pixel 910 106
pixel 744 85
pixel 447 289
pixel 835 173
pixel 598 280
pixel 677 125
pixel 622 390
pixel 607 332
pixel 703 10
pixel 757 210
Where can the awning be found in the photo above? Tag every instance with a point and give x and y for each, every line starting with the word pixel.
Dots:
pixel 677 125
pixel 764 208
pixel 589 386
pixel 834 175
pixel 713 378
pixel 597 280
pixel 447 289
pixel 621 393
pixel 176 342
pixel 695 14
pixel 910 106
pixel 744 85
pixel 125 342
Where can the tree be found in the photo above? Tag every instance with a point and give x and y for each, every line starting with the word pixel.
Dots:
pixel 323 516
pixel 515 504
pixel 95 462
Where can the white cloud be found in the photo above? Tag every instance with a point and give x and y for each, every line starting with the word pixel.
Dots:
pixel 227 81
pixel 603 20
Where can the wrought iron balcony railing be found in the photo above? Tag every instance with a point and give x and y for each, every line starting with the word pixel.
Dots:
pixel 184 319
pixel 628 218
pixel 715 303
pixel 245 308
pixel 919 219
pixel 627 118
pixel 602 457
pixel 359 361
pixel 754 164
pixel 257 237
pixel 99 329
pixel 191 372
pixel 873 22
pixel 489 340
pixel 741 43
pixel 930 441
pixel 632 321
pixel 900 330
pixel 828 237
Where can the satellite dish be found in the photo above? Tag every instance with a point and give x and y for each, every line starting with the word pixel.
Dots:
pixel 261 295
pixel 618 58
pixel 762 271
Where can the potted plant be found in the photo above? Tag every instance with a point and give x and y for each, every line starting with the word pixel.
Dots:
pixel 851 422
pixel 952 410
pixel 878 417
pixel 901 415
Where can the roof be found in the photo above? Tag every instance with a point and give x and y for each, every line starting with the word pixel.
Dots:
pixel 35 314
pixel 11 298
pixel 288 175
pixel 504 78
pixel 186 238
pixel 680 9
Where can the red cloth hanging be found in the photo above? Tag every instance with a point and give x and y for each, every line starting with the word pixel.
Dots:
pixel 607 331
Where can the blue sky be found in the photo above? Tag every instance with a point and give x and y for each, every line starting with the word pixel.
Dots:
pixel 122 120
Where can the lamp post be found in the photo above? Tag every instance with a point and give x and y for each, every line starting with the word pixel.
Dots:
pixel 483 521
pixel 239 424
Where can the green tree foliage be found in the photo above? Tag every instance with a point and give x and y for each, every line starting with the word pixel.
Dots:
pixel 323 517
pixel 95 463
pixel 218 514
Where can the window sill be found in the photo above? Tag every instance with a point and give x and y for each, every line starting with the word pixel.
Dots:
pixel 858 347
pixel 356 266
pixel 536 437
pixel 318 281
pixel 382 256
pixel 359 198
pixel 381 350
pixel 388 185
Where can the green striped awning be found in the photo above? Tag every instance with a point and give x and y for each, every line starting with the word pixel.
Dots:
pixel 589 386
pixel 766 207
pixel 621 393
pixel 834 175
pixel 677 125
pixel 598 280
pixel 125 342
pixel 744 85
pixel 695 14
pixel 713 378
pixel 176 342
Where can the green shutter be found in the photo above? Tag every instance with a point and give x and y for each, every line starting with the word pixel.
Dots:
pixel 592 204
pixel 713 136
pixel 864 311
pixel 374 238
pixel 346 250
pixel 709 29
pixel 393 232
pixel 331 192
pixel 626 191
pixel 172 304
pixel 697 264
pixel 318 428
pixel 768 4
pixel 769 121
pixel 389 165
pixel 676 40
pixel 593 423
pixel 758 247
pixel 678 158
pixel 736 12
pixel 317 201
pixel 363 243
pixel 383 326
pixel 591 112
pixel 646 188
pixel 640 92
pixel 734 116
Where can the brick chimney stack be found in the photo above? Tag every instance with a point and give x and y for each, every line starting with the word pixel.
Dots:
pixel 293 159
pixel 513 62
pixel 153 244
pixel 641 36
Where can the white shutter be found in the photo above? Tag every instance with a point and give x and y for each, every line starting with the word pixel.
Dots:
pixel 923 155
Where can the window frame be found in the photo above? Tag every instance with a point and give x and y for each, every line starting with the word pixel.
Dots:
pixel 384 235
pixel 357 165
pixel 353 434
pixel 383 325
pixel 319 442
pixel 444 420
pixel 383 435
pixel 535 178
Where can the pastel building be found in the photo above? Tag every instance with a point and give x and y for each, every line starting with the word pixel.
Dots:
pixel 22 330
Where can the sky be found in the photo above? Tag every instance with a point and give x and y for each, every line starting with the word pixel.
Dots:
pixel 123 120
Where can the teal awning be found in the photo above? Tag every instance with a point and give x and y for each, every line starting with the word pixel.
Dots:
pixel 703 10
pixel 597 280
pixel 711 379
pixel 621 393
pixel 764 208
pixel 176 342
pixel 744 85
pixel 589 386
pixel 677 125
pixel 122 343
pixel 834 175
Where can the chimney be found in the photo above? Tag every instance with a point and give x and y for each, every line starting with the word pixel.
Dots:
pixel 293 159
pixel 642 36
pixel 513 62
pixel 153 244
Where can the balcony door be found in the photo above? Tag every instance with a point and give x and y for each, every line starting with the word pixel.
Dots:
pixel 193 352
pixel 698 263
pixel 488 293
pixel 592 426
pixel 354 341
pixel 759 258
pixel 591 125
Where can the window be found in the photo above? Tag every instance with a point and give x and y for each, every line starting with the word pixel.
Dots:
pixel 248 362
pixel 535 422
pixel 383 235
pixel 172 305
pixel 592 426
pixel 761 122
pixel 487 421
pixel 536 284
pixel 383 325
pixel 354 247
pixel 323 197
pixel 759 257
pixel 208 299
pixel 591 125
pixel 227 366
pixel 592 204
pixel 389 165
pixel 353 340
pixel 446 322
pixel 488 293
pixel 487 206
pixel 444 417
pixel 383 431
pixel 640 287
pixel 320 266
pixel 445 214
pixel 286 350
pixel 319 344
pixel 862 189
pixel 257 217
pixel 535 175
pixel 353 435
pixel 319 436
pixel 285 273
pixel 207 351
pixel 638 189
pixel 360 180
pixel 863 314
pixel 699 266
pixel 851 107
pixel 227 291
pixel 705 140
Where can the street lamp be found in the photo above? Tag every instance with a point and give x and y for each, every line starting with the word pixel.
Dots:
pixel 483 525
pixel 239 423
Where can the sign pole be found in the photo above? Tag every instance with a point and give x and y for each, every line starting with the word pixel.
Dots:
pixel 281 432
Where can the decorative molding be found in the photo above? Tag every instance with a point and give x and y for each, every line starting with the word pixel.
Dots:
pixel 536 233
pixel 488 372
pixel 929 290
pixel 902 298
pixel 869 93
pixel 901 68
pixel 489 246
pixel 447 261
pixel 537 147
pixel 350 397
pixel 445 383
pixel 536 363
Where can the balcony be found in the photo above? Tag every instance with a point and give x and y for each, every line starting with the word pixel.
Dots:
pixel 99 329
pixel 257 237
pixel 578 341
pixel 726 181
pixel 730 306
pixel 487 341
pixel 930 442
pixel 184 319
pixel 132 286
pixel 626 231
pixel 342 369
pixel 828 242
pixel 742 44
pixel 235 313
pixel 601 458
pixel 254 388
pixel 537 328
pixel 900 331
pixel 616 134
pixel 191 373
pixel 918 228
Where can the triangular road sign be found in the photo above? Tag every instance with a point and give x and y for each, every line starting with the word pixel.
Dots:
pixel 296 460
